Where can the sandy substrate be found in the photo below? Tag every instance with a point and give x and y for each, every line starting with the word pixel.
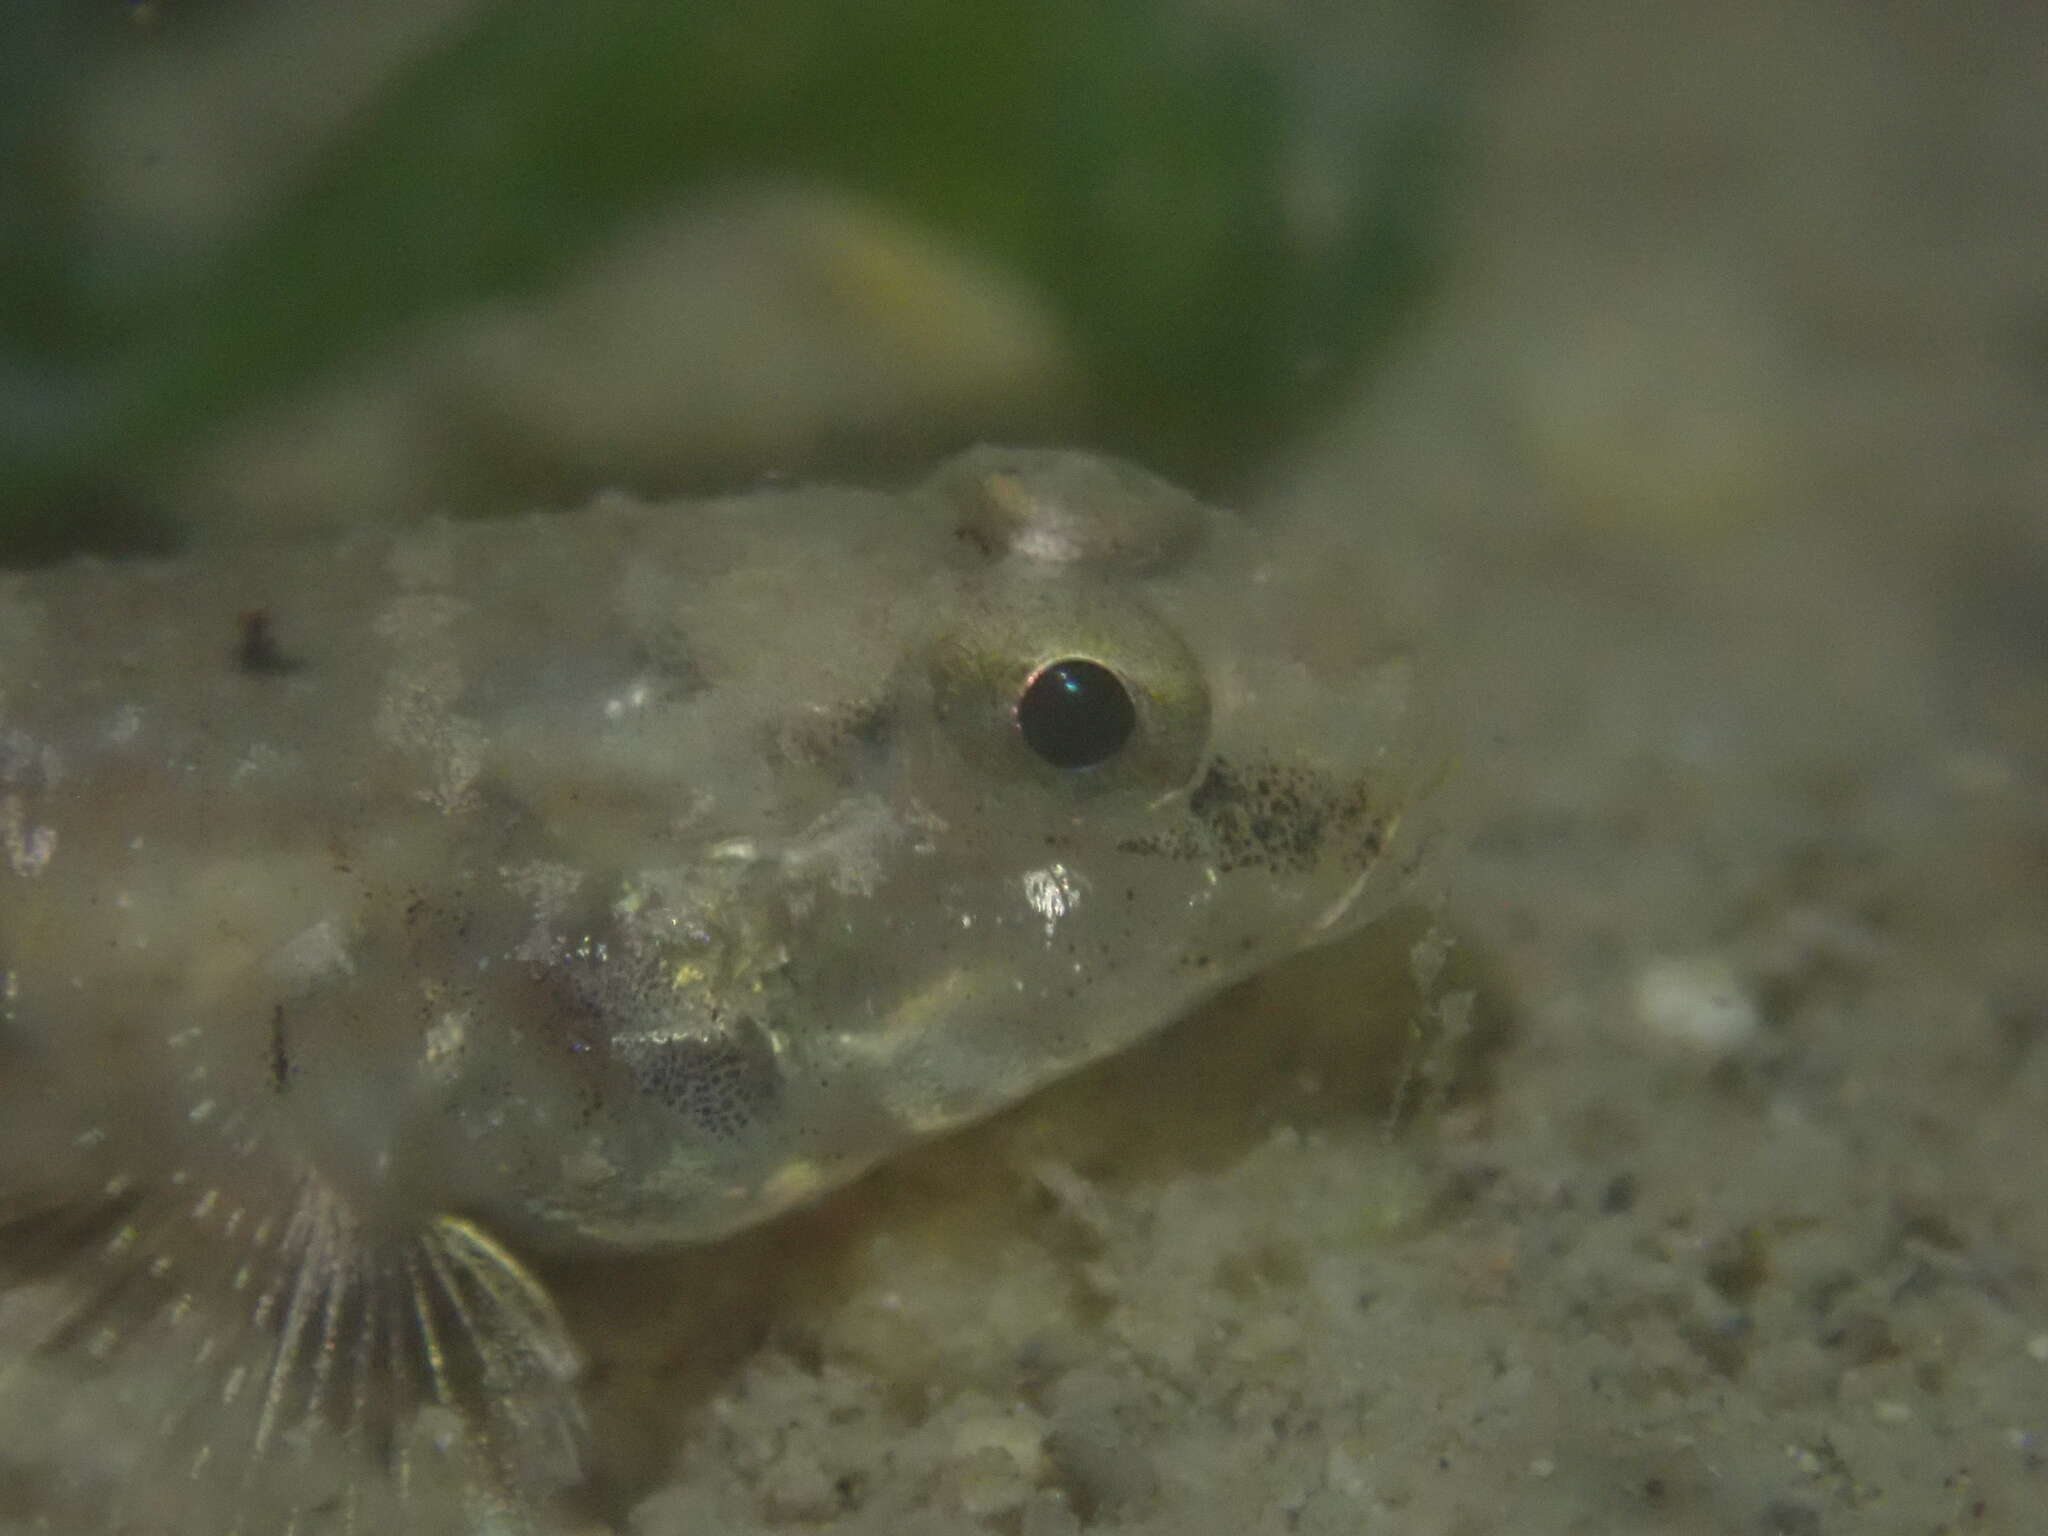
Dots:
pixel 1728 449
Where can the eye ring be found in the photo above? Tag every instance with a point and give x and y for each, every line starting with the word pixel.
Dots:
pixel 1072 684
pixel 1075 713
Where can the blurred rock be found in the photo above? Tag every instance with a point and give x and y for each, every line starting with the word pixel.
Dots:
pixel 779 326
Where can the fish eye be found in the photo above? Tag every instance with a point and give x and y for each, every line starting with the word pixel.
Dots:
pixel 1075 713
pixel 1076 686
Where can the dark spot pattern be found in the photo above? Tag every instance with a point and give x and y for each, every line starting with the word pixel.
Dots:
pixel 1273 817
pixel 723 1083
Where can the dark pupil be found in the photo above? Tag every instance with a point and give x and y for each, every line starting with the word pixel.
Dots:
pixel 1076 713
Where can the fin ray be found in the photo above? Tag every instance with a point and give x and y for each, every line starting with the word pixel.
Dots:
pixel 260 1360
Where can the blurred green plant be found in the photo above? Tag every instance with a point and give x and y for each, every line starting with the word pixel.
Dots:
pixel 1139 162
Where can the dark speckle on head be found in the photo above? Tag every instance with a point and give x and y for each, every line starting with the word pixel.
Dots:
pixel 1271 817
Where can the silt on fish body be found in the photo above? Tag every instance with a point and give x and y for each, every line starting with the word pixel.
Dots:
pixel 379 917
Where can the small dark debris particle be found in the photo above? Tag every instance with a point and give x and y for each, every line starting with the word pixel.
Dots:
pixel 1723 1344
pixel 1931 1229
pixel 1864 1338
pixel 280 1051
pixel 978 538
pixel 256 649
pixel 1786 1517
pixel 1738 1265
pixel 1619 1197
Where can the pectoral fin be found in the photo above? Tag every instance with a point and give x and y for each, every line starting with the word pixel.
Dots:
pixel 178 1357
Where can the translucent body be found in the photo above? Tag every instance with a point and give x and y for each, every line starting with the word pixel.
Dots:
pixel 372 914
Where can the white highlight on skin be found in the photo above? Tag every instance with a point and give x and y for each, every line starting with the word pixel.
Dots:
pixel 1052 892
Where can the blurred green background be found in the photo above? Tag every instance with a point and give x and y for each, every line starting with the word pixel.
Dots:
pixel 1168 228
